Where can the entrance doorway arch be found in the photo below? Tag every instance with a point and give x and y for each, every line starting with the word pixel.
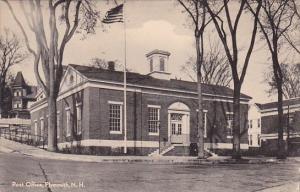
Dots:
pixel 179 123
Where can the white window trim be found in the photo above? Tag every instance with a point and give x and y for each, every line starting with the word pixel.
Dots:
pixel 121 117
pixel 115 102
pixel 115 132
pixel 78 106
pixel 229 136
pixel 42 128
pixel 68 131
pixel 154 134
pixel 57 124
pixel 156 107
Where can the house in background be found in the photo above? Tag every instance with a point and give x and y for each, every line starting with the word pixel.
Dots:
pixel 254 125
pixel 161 111
pixel 268 126
pixel 23 95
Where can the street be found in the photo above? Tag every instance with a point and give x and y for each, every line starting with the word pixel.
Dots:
pixel 26 174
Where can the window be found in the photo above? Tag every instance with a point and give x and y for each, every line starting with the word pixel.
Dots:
pixel 58 125
pixel 17 93
pixel 68 122
pixel 251 124
pixel 153 119
pixel 162 64
pixel 173 129
pixel 258 139
pixel 258 122
pixel 115 117
pixel 229 119
pixel 42 129
pixel 179 131
pixel 250 140
pixel 151 65
pixel 17 105
pixel 78 115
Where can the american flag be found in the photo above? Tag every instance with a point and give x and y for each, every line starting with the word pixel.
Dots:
pixel 114 15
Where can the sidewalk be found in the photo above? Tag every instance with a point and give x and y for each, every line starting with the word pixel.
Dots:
pixel 8 146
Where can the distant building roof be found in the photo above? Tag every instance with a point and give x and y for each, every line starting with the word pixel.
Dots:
pixel 146 80
pixel 288 102
pixel 19 80
pixel 258 105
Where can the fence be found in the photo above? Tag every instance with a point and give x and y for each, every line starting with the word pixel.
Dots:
pixel 22 133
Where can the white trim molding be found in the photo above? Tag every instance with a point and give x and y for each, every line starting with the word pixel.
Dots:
pixel 110 143
pixel 224 145
pixel 115 102
pixel 154 106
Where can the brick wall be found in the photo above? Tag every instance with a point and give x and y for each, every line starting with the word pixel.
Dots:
pixel 95 115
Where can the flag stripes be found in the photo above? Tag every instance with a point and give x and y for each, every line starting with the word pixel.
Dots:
pixel 114 15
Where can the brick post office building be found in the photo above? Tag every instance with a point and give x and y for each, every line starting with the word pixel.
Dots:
pixel 161 112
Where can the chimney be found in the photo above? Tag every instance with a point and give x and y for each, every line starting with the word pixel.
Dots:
pixel 111 65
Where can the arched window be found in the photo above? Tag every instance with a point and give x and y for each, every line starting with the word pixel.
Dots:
pixel 162 64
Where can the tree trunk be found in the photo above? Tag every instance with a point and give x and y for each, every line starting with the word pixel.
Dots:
pixel 281 153
pixel 52 127
pixel 236 123
pixel 200 107
pixel 200 122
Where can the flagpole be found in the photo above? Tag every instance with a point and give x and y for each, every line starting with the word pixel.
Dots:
pixel 125 84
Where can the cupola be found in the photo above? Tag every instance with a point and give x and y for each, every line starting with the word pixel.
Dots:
pixel 158 64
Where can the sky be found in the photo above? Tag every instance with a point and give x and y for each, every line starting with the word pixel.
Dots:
pixel 150 24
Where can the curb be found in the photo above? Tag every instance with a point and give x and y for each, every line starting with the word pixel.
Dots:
pixel 153 160
pixel 40 153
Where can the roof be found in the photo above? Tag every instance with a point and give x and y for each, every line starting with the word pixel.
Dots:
pixel 93 73
pixel 288 102
pixel 157 51
pixel 258 105
pixel 19 80
pixel 32 92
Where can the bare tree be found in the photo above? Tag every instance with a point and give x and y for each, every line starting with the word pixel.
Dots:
pixel 292 35
pixel 215 69
pixel 276 19
pixel 230 44
pixel 291 80
pixel 198 15
pixel 49 51
pixel 11 53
